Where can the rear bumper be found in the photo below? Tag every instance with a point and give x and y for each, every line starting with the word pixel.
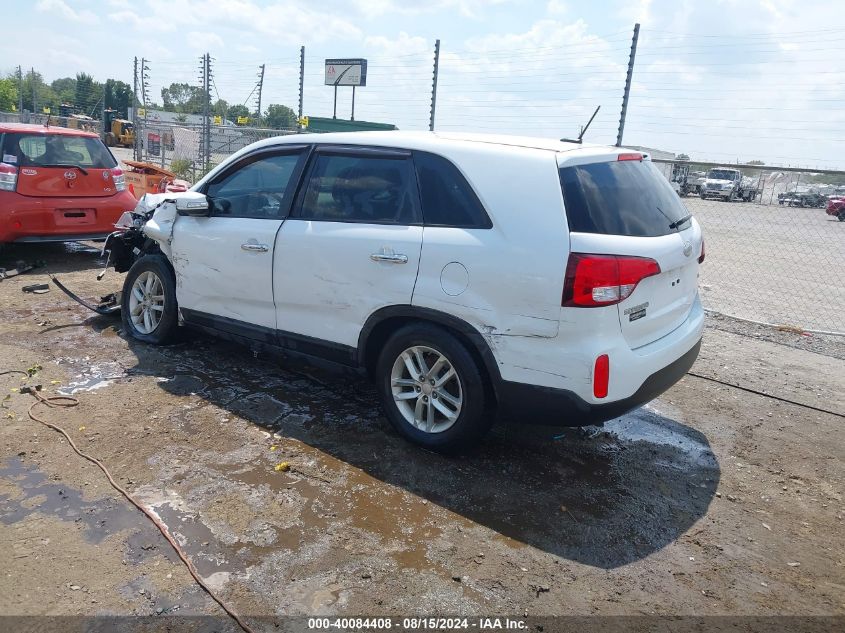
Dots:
pixel 560 407
pixel 30 219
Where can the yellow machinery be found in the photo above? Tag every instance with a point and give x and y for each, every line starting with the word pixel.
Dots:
pixel 118 131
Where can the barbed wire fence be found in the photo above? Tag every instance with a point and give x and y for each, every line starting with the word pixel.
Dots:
pixel 695 103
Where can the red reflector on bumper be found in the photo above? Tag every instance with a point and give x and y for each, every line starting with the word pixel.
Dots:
pixel 601 376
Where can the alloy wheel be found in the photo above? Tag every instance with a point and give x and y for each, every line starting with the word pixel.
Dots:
pixel 427 389
pixel 146 302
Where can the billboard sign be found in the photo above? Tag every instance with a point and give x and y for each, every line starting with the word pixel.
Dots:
pixel 346 72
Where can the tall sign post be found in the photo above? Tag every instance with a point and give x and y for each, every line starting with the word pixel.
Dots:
pixel 346 72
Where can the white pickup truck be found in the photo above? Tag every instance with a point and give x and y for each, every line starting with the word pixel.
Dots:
pixel 728 184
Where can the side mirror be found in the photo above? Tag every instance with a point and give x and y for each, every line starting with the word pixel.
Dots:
pixel 193 204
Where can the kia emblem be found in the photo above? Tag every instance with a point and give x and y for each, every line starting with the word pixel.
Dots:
pixel 687 248
pixel 70 175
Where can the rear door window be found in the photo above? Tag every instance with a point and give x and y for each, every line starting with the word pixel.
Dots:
pixel 447 198
pixel 46 150
pixel 628 197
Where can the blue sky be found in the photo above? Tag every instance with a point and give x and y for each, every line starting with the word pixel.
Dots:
pixel 724 80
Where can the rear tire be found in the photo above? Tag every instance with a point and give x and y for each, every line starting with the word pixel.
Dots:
pixel 841 216
pixel 148 304
pixel 110 139
pixel 432 389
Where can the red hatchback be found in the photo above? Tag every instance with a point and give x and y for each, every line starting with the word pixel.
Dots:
pixel 58 185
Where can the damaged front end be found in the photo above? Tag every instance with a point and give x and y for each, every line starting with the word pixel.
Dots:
pixel 145 230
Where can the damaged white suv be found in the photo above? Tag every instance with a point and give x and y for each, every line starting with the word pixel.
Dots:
pixel 468 275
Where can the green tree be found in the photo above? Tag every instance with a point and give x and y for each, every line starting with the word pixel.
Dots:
pixel 279 117
pixel 118 96
pixel 88 95
pixel 220 108
pixel 65 89
pixel 182 97
pixel 235 111
pixel 8 94
pixel 44 95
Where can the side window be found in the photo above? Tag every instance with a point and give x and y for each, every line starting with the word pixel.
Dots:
pixel 447 198
pixel 256 189
pixel 365 189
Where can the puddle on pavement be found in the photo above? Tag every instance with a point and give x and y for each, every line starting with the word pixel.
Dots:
pixel 91 376
pixel 99 518
pixel 648 425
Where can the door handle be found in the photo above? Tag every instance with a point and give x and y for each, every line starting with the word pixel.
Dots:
pixel 252 247
pixel 392 258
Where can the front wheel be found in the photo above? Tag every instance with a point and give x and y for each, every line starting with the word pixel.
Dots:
pixel 432 389
pixel 148 305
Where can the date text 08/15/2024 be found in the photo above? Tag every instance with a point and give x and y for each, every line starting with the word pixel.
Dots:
pixel 416 623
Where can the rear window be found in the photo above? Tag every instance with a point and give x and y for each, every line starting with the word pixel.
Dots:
pixel 447 198
pixel 628 197
pixel 44 150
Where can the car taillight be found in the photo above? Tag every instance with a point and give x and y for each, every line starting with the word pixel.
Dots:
pixel 701 257
pixel 8 177
pixel 602 280
pixel 601 376
pixel 119 179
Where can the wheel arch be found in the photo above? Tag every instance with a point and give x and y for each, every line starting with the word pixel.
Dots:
pixel 383 322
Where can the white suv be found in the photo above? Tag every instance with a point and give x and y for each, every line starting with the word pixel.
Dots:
pixel 468 275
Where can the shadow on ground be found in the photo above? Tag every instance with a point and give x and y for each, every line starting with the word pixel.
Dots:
pixel 603 497
pixel 57 258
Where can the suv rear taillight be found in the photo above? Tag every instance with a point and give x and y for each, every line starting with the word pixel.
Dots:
pixel 603 280
pixel 119 179
pixel 8 177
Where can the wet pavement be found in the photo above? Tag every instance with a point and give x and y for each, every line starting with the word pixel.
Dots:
pixel 689 505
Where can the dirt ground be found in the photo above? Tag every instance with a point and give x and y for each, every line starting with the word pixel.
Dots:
pixel 710 501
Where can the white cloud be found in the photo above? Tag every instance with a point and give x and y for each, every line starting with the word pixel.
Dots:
pixel 288 21
pixel 247 48
pixel 61 8
pixel 204 40
pixel 557 7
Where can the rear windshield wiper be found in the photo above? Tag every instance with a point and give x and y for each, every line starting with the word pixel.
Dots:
pixel 677 223
pixel 83 170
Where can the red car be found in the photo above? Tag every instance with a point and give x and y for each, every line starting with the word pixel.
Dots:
pixel 57 185
pixel 836 207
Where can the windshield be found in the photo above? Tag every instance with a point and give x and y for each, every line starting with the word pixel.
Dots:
pixel 40 150
pixel 621 198
pixel 721 174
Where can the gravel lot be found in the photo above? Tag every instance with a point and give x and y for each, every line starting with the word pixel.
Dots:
pixel 771 263
pixel 710 501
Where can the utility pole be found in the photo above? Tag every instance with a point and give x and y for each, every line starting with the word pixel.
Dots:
pixel 434 84
pixel 144 77
pixel 103 110
pixel 352 118
pixel 301 81
pixel 260 88
pixel 20 90
pixel 135 108
pixel 32 81
pixel 205 79
pixel 627 92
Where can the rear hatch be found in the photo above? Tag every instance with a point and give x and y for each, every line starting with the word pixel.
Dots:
pixel 624 206
pixel 60 165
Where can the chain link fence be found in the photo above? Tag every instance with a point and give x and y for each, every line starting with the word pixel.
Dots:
pixel 774 252
pixel 179 147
